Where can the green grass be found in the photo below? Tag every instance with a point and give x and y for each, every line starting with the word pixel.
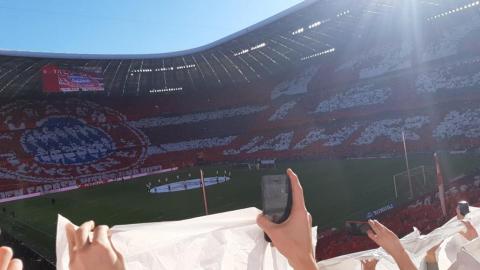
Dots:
pixel 335 190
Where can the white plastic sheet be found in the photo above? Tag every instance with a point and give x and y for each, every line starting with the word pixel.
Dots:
pixel 229 240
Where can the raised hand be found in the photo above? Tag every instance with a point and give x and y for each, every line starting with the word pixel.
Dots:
pixel 389 241
pixel 369 264
pixel 97 253
pixel 6 261
pixel 293 238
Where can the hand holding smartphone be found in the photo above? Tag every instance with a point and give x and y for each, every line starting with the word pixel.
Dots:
pixel 276 198
pixel 357 228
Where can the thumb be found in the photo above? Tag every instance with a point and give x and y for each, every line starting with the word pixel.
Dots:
pixel 70 231
pixel 264 223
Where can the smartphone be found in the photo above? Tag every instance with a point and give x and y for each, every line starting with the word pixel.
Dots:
pixel 357 228
pixel 276 198
pixel 463 207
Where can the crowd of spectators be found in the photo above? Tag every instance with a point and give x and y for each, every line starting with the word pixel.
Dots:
pixel 332 139
pixel 282 111
pixel 449 41
pixel 459 124
pixel 457 75
pixel 53 143
pixel 424 214
pixel 380 59
pixel 197 117
pixel 296 85
pixel 90 247
pixel 393 129
pixel 191 145
pixel 355 97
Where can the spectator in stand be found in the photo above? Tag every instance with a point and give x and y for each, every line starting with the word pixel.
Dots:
pixel 294 240
pixel 470 234
pixel 369 264
pixel 6 261
pixel 390 242
pixel 90 247
pixel 460 216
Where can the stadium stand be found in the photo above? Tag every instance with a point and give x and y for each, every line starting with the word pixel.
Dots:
pixel 283 101
pixel 363 120
pixel 424 214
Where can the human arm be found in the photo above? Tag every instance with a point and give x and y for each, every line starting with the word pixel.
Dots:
pixel 470 232
pixel 293 238
pixel 390 242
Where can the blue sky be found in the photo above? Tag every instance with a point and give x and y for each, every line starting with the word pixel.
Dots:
pixel 126 26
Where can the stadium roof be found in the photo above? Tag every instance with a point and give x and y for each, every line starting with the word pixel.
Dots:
pixel 311 30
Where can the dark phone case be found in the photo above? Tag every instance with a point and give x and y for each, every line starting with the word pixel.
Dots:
pixel 288 208
pixel 464 209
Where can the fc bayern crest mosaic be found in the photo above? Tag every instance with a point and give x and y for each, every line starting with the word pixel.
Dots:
pixel 66 139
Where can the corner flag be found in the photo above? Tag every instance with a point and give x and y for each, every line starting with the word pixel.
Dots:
pixel 204 192
pixel 440 184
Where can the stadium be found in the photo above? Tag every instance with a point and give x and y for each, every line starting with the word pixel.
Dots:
pixel 354 96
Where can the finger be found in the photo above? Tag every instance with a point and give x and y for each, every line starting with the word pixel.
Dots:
pixel 384 228
pixel 70 231
pixel 6 255
pixel 298 200
pixel 100 235
pixel 265 224
pixel 81 235
pixel 15 264
pixel 374 226
pixel 372 236
pixel 379 226
pixel 119 255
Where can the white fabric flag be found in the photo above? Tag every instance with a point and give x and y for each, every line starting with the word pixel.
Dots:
pixel 352 261
pixel 415 244
pixel 469 257
pixel 450 249
pixel 229 240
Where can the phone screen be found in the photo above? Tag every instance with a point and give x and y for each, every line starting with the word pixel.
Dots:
pixel 358 228
pixel 276 197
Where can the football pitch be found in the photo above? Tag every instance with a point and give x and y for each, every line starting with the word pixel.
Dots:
pixel 335 190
